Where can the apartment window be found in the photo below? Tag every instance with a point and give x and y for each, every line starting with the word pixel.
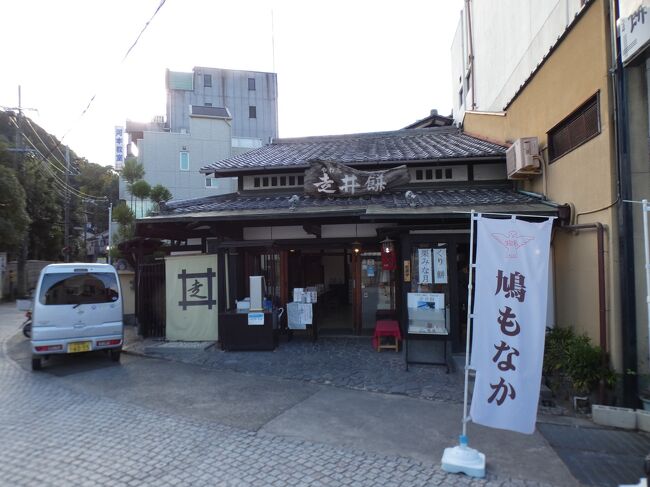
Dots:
pixel 184 161
pixel 207 80
pixel 576 129
pixel 252 112
pixel 211 183
pixel 251 84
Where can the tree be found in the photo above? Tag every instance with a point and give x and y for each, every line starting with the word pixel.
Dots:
pixel 160 194
pixel 132 171
pixel 141 190
pixel 13 215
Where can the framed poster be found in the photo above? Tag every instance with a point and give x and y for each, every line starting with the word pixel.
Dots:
pixel 427 314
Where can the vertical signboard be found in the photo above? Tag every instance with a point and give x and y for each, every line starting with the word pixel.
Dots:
pixel 509 321
pixel 119 148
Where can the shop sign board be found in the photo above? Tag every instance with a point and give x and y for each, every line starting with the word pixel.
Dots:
pixel 633 28
pixel 326 179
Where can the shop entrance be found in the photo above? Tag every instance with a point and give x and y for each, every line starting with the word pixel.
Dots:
pixel 377 291
pixel 328 272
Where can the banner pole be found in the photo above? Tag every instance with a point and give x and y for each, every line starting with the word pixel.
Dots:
pixel 469 322
pixel 462 458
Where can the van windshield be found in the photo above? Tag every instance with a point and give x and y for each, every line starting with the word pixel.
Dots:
pixel 79 288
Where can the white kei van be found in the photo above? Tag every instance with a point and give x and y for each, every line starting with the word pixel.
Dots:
pixel 77 308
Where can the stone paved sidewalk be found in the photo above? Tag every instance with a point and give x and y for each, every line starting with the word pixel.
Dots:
pixel 348 362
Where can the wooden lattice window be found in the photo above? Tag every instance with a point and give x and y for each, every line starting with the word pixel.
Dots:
pixel 579 127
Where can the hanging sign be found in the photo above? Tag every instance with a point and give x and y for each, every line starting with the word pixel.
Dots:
pixel 440 266
pixel 424 261
pixel 328 178
pixel 509 321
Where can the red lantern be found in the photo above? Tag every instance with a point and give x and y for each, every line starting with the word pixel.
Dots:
pixel 388 260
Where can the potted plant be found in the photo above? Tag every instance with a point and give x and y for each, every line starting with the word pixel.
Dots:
pixel 573 366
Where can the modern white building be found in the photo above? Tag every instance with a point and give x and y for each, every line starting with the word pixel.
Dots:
pixel 495 50
pixel 212 114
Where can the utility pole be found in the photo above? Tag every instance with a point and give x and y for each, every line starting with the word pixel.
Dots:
pixel 110 232
pixel 66 207
pixel 21 281
pixel 19 168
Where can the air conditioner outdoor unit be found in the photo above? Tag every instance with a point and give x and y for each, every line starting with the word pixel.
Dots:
pixel 523 159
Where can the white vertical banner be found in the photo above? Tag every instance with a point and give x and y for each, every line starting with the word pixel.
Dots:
pixel 511 292
pixel 424 261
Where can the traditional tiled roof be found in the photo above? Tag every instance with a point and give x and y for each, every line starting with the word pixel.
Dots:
pixel 406 202
pixel 399 146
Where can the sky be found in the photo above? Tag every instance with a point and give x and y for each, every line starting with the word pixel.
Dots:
pixel 343 66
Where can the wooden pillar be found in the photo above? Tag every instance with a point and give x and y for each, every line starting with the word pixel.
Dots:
pixel 356 273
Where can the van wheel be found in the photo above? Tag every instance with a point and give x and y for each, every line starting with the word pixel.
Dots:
pixel 114 355
pixel 36 363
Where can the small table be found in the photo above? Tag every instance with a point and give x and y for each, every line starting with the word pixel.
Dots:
pixel 386 328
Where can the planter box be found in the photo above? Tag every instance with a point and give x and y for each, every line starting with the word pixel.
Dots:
pixel 612 416
pixel 643 420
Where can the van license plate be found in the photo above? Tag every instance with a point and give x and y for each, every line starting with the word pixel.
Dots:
pixel 78 347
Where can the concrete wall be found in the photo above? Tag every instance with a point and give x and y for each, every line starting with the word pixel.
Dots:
pixel 127 284
pixel 230 89
pixel 509 39
pixel 208 140
pixel 584 177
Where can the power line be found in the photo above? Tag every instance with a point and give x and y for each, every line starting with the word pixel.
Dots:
pixel 75 191
pixel 45 145
pixel 126 55
pixel 62 184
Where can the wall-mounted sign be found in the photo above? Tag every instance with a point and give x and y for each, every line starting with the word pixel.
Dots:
pixel 327 178
pixel 633 28
pixel 407 271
